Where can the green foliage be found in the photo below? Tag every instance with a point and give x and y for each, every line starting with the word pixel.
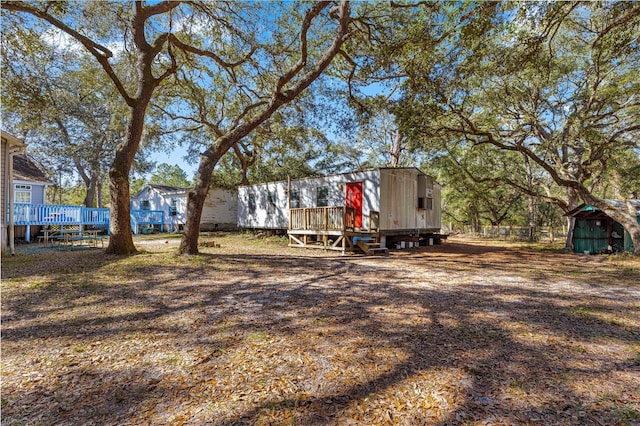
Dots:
pixel 556 83
pixel 57 97
pixel 170 175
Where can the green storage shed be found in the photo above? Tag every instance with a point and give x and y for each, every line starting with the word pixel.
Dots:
pixel 594 231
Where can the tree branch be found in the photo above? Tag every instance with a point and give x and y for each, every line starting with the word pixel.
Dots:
pixel 633 12
pixel 101 53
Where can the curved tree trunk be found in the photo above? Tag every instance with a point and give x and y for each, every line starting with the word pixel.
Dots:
pixel 195 203
pixel 627 217
pixel 634 233
pixel 285 91
pixel 573 199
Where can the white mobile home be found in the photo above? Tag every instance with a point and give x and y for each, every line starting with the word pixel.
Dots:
pixel 388 203
pixel 166 207
pixel 168 203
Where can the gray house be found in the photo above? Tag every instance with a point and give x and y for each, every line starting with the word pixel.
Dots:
pixel 29 181
pixel 29 188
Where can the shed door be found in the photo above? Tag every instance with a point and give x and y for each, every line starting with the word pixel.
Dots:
pixel 354 199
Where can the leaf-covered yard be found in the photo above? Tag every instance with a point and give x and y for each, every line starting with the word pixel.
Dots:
pixel 256 333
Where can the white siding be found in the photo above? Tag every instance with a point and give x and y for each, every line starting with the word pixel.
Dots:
pixel 392 192
pixel 260 217
pixel 220 210
pixel 160 201
pixel 308 192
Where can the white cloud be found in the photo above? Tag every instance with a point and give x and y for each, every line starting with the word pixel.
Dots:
pixel 63 42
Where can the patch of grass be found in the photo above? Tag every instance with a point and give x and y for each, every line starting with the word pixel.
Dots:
pixel 80 348
pixel 581 311
pixel 517 388
pixel 627 415
pixel 173 360
pixel 258 336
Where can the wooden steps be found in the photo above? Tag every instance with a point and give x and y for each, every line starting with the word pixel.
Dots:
pixel 369 245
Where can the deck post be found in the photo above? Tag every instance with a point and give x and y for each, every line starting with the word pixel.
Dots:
pixel 326 219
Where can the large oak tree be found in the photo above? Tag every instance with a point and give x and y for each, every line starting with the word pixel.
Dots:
pixel 556 83
pixel 261 56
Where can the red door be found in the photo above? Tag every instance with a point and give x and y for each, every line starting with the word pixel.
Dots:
pixel 354 199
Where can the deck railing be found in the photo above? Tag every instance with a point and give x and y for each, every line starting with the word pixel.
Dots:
pixel 374 221
pixel 94 216
pixel 145 217
pixel 56 214
pixel 331 218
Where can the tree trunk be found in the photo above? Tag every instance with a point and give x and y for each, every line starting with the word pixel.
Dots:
pixel 89 199
pixel 121 240
pixel 195 202
pixel 396 148
pixel 573 200
pixel 628 219
pixel 634 232
pixel 246 161
pixel 531 200
pixel 99 194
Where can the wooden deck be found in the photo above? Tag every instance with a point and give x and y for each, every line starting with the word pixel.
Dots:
pixel 329 228
pixel 59 217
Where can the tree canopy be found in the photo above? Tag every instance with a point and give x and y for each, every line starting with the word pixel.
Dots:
pixel 512 105
pixel 170 175
pixel 555 82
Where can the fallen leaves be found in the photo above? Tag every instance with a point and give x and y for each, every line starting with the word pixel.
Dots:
pixel 247 335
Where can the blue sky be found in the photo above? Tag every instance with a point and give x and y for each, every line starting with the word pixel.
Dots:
pixel 176 157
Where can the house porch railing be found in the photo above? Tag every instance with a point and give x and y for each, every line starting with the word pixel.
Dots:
pixel 145 217
pixel 54 214
pixel 331 218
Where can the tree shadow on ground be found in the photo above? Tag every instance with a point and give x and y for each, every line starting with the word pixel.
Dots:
pixel 504 346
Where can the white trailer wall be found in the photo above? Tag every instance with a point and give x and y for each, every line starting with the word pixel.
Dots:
pixel 266 217
pixel 394 192
pixel 220 211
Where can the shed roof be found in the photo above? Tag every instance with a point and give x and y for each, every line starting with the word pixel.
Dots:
pixel 590 212
pixel 167 189
pixel 24 168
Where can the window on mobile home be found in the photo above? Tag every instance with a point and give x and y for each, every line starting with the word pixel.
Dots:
pixel 294 200
pixel 251 203
pixel 173 209
pixel 271 202
pixel 322 196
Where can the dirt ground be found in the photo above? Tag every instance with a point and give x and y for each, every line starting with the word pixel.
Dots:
pixel 255 333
